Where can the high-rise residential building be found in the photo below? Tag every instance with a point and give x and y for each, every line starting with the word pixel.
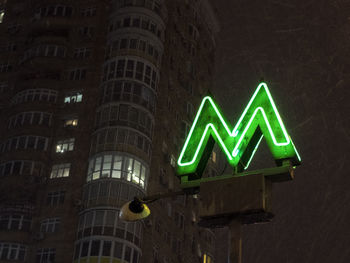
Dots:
pixel 96 99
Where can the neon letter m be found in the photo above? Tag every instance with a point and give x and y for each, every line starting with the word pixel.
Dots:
pixel 259 119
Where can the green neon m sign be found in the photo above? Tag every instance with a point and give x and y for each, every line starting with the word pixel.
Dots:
pixel 260 119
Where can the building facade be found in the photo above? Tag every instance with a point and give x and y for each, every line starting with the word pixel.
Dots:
pixel 96 99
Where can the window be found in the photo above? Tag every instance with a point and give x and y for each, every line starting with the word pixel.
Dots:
pixel 3 86
pixel 82 52
pixel 60 170
pixel 207 258
pixel 141 70
pixel 184 129
pixel 132 43
pixel 12 251
pixel 88 11
pixel 77 74
pixel 2 13
pixel 71 122
pixel 30 118
pixel 119 114
pixel 15 222
pixel 8 47
pixel 45 255
pixel 106 222
pixel 35 95
pixel 50 225
pixel 25 142
pixel 74 98
pixel 172 160
pixel 118 166
pixel 213 156
pixel 65 145
pixel 137 21
pixel 21 167
pixel 56 10
pixel 55 198
pixel 5 67
pixel 44 51
pixel 86 31
pixel 111 138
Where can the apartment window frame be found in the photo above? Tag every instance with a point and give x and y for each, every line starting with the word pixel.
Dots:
pixel 44 255
pixel 65 145
pixel 71 122
pixel 54 10
pixel 50 225
pixel 55 198
pixel 88 11
pixel 30 95
pixel 82 52
pixel 22 167
pixel 15 221
pixel 25 142
pixel 72 98
pixel 12 251
pixel 60 170
pixel 118 166
pixel 77 74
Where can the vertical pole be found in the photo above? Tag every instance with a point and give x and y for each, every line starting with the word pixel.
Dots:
pixel 235 242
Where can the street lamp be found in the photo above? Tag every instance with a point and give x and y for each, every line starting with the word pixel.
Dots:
pixel 138 209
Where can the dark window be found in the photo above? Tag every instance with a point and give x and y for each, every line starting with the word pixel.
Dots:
pixel 127 22
pixel 120 68
pixel 136 22
pixel 129 69
pixel 95 248
pixel 123 112
pixel 17 167
pixel 123 43
pixel 85 249
pixel 106 248
pixel 139 70
pixel 133 43
pixel 127 254
pixel 118 247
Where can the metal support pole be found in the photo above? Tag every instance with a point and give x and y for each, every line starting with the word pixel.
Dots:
pixel 235 228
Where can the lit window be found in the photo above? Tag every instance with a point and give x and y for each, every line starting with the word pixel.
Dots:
pixel 60 170
pixel 65 145
pixel 207 259
pixel 2 13
pixel 172 160
pixel 71 122
pixel 213 157
pixel 117 166
pixel 50 225
pixel 74 98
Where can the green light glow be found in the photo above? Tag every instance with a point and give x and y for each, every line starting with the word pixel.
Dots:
pixel 255 148
pixel 261 112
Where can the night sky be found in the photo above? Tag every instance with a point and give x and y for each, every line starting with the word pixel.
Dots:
pixel 301 50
